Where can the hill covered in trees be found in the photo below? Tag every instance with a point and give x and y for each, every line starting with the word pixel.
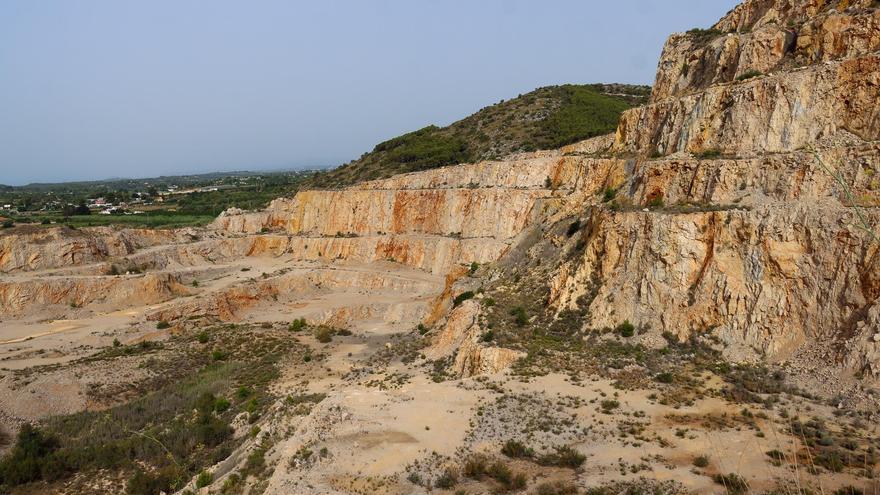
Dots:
pixel 545 118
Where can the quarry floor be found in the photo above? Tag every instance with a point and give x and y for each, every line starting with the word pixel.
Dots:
pixel 392 425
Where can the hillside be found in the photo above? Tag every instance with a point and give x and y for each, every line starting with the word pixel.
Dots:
pixel 545 118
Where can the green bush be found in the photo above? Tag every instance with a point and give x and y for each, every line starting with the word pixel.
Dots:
pixel 749 74
pixel 563 456
pixel 142 483
pixel 656 202
pixel 447 480
pixel 29 458
pixel 520 317
pixel 776 455
pixel 464 296
pixel 625 329
pixel 709 154
pixel 297 325
pixel 204 479
pixel 734 483
pixel 664 377
pixel 609 405
pixel 163 325
pixel 323 334
pixel 475 466
pixel 608 194
pixel 516 449
pixel 701 461
pixel 203 337
pixel 221 405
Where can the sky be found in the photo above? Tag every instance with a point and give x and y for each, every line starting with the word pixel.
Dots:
pixel 96 89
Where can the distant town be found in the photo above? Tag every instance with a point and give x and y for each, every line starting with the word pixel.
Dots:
pixel 168 200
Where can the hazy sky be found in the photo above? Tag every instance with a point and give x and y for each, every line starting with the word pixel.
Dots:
pixel 95 89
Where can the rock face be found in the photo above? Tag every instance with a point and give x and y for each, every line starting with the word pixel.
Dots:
pixel 432 220
pixel 461 337
pixel 27 249
pixel 758 158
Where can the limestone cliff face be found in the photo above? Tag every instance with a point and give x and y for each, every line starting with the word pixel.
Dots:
pixel 769 240
pixel 773 75
pixel 461 337
pixel 18 297
pixel 26 249
pixel 766 37
pixel 432 220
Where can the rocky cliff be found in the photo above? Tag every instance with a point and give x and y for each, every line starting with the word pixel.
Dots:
pixel 746 204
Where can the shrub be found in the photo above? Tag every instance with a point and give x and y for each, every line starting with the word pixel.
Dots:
pixel 204 479
pixel 609 405
pixel 664 377
pixel 749 74
pixel 608 194
pixel 323 334
pixel 142 483
pixel 163 325
pixel 474 267
pixel 573 228
pixel 500 472
pixel 489 336
pixel 520 317
pixel 116 343
pixel 626 329
pixel 8 223
pixel 734 483
pixel 29 457
pixel 831 461
pixel 414 478
pixel 516 449
pixel 702 36
pixel 475 466
pixel 776 455
pixel 203 337
pixel 701 461
pixel 422 329
pixel 221 405
pixel 218 355
pixel 297 325
pixel 243 393
pixel 710 153
pixel 447 480
pixel 564 456
pixel 464 296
